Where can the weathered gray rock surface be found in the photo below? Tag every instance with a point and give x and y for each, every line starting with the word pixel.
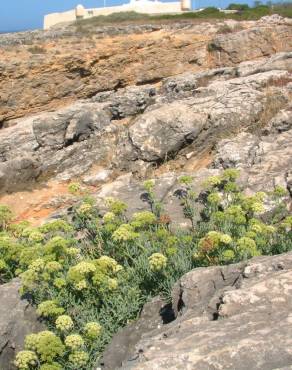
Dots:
pixel 229 317
pixel 264 161
pixel 252 43
pixel 138 127
pixel 17 319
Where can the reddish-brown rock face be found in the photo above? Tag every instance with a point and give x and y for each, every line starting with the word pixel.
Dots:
pixel 43 70
pixel 51 73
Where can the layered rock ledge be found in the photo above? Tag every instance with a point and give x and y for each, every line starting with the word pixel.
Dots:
pixel 226 317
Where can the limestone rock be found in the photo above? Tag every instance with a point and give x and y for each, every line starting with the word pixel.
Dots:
pixel 99 177
pixel 221 107
pixel 258 158
pixel 252 43
pixel 17 319
pixel 230 317
pixel 161 133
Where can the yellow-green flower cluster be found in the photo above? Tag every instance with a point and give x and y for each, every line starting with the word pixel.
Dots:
pixel 185 180
pixel 215 238
pixel 27 231
pixel 45 345
pixel 31 341
pixel 214 198
pixel 235 214
pixel 157 262
pixel 149 185
pixel 143 219
pixel 79 274
pixel 247 247
pixel 74 187
pixel 64 323
pixel 115 206
pixel 85 209
pixel 228 255
pixel 56 247
pixel 25 359
pixel 92 330
pixel 212 246
pixel 74 341
pixel 112 284
pixel 79 358
pixel 109 217
pixel 36 236
pixel 260 228
pixel 108 265
pixel 254 203
pixel 53 266
pixel 125 232
pixel 28 279
pixel 49 308
pixel 55 226
pixel 38 265
pixel 212 181
pixel 59 283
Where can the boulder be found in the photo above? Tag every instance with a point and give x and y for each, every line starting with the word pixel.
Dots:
pixel 163 132
pixel 256 42
pixel 229 317
pixel 17 319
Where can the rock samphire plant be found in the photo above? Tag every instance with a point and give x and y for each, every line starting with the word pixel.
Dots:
pixel 86 288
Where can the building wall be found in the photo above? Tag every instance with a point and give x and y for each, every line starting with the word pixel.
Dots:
pixel 147 7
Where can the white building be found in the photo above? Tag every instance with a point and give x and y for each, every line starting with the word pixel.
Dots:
pixel 138 6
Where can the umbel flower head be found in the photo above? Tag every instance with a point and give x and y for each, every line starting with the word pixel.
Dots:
pixel 59 283
pixel 38 265
pixel 53 266
pixel 81 285
pixel 25 359
pixel 247 247
pixel 80 271
pixel 74 341
pixel 46 344
pixel 112 284
pixel 31 341
pixel 79 358
pixel 64 323
pixel 125 233
pixel 49 308
pixel 214 198
pixel 92 330
pixel 149 185
pixel 108 264
pixel 142 219
pixel 157 262
pixel 36 237
pixel 109 217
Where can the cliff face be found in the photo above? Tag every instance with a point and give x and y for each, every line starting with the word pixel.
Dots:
pixel 45 70
pixel 142 100
pixel 44 74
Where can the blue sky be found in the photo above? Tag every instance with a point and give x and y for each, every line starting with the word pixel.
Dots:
pixel 28 14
